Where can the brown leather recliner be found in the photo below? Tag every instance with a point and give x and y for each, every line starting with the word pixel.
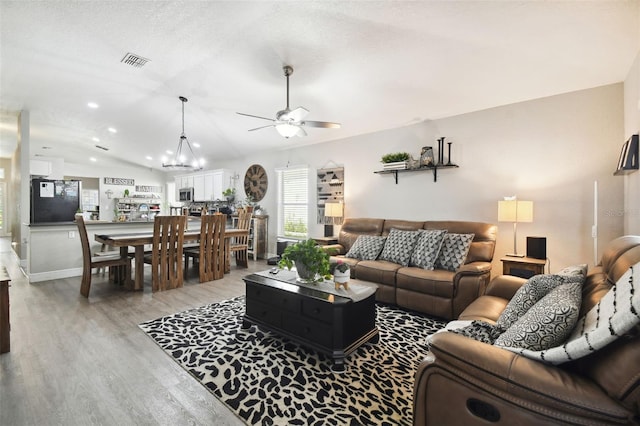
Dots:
pixel 466 382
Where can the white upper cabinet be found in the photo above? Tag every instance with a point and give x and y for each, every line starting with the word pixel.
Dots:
pixel 207 186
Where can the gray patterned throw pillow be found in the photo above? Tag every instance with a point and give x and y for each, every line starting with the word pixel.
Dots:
pixel 529 294
pixel 366 247
pixel 548 323
pixel 399 246
pixel 453 253
pixel 427 248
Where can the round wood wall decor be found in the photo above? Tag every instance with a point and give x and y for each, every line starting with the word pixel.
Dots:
pixel 256 182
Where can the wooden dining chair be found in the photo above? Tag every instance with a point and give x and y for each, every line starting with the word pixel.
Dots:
pixel 121 266
pixel 166 252
pixel 240 245
pixel 210 252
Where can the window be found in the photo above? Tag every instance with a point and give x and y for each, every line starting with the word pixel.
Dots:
pixel 293 202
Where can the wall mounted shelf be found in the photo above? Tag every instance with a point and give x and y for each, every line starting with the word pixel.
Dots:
pixel 421 169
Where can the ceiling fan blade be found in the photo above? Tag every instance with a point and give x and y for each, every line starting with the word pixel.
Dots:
pixel 262 127
pixel 323 124
pixel 255 116
pixel 297 114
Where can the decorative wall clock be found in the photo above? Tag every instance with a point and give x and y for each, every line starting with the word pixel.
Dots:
pixel 256 182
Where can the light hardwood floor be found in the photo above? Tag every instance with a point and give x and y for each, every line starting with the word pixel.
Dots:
pixel 75 361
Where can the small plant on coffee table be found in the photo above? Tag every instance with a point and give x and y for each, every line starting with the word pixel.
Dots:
pixel 312 263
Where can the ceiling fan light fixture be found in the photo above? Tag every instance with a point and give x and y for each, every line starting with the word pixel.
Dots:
pixel 287 130
pixel 180 162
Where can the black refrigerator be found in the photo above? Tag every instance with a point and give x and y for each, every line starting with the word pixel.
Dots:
pixel 54 200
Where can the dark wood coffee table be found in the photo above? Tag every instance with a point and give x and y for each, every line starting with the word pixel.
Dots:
pixel 328 323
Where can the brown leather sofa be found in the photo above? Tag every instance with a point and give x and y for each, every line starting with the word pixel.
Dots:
pixel 438 292
pixel 466 382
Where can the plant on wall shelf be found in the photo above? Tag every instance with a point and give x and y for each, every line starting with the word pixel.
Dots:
pixel 395 157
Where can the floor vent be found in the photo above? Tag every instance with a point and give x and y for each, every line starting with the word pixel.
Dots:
pixel 134 60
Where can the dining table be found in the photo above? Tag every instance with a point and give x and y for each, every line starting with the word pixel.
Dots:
pixel 139 239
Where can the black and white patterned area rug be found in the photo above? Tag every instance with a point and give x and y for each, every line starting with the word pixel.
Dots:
pixel 268 380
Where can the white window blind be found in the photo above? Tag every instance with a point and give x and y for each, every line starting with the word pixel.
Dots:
pixel 293 202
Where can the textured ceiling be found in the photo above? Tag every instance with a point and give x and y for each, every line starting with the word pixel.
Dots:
pixel 368 65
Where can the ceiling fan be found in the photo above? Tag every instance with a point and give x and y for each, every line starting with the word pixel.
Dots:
pixel 291 122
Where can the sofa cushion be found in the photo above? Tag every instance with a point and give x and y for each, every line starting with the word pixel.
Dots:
pixel 548 323
pixel 453 253
pixel 435 282
pixel 529 294
pixel 427 248
pixel 352 228
pixel 377 271
pixel 366 247
pixel 399 246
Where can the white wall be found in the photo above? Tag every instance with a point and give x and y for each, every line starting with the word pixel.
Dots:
pixel 549 150
pixel 631 212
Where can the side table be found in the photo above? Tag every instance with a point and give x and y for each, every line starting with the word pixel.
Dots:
pixel 523 267
pixel 326 241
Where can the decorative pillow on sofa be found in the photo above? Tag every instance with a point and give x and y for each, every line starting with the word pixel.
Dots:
pixel 453 253
pixel 614 315
pixel 480 331
pixel 548 323
pixel 427 248
pixel 529 294
pixel 574 270
pixel 399 246
pixel 366 247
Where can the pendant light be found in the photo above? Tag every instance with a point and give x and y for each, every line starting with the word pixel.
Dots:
pixel 182 160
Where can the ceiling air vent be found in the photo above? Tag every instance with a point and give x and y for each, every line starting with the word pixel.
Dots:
pixel 102 147
pixel 134 60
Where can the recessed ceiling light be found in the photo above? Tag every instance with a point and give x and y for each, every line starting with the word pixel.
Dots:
pixel 93 105
pixel 169 152
pixel 93 159
pixel 95 139
pixel 148 157
pixel 196 144
pixel 112 130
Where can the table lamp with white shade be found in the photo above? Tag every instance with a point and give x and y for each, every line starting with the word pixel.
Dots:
pixel 513 210
pixel 333 211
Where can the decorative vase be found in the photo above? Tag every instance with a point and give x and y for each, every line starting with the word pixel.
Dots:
pixel 305 275
pixel 342 278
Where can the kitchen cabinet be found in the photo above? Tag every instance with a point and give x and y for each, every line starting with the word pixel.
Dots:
pixel 207 186
pixel 198 188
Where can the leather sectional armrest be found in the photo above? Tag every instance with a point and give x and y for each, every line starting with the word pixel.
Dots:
pixel 334 249
pixel 474 268
pixel 514 377
pixel 504 286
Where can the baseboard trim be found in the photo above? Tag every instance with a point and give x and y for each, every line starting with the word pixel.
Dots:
pixel 55 275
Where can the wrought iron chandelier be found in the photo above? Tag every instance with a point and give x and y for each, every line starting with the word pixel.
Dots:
pixel 183 161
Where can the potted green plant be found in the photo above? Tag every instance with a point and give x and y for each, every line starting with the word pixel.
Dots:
pixel 395 157
pixel 311 262
pixel 229 194
pixel 396 160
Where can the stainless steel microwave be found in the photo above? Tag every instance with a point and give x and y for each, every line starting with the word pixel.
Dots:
pixel 186 194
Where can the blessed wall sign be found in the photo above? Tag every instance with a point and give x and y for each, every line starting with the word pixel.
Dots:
pixel 119 181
